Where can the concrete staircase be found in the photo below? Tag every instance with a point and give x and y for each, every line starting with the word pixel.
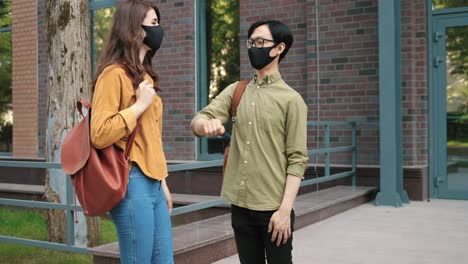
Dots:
pixel 209 240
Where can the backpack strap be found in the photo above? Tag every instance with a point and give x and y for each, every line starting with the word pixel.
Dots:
pixel 236 97
pixel 83 103
pixel 79 105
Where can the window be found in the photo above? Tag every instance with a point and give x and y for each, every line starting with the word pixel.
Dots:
pixel 6 111
pixel 101 12
pixel 457 87
pixel 442 4
pixel 218 60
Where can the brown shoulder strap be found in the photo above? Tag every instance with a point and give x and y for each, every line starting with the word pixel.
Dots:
pixel 79 105
pixel 82 102
pixel 236 97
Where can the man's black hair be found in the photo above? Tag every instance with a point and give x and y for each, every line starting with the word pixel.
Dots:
pixel 279 31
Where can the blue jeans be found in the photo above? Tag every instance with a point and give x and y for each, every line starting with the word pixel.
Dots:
pixel 143 222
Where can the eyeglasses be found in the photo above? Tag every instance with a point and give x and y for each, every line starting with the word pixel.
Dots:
pixel 257 43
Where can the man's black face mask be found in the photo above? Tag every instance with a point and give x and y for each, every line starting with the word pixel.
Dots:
pixel 260 57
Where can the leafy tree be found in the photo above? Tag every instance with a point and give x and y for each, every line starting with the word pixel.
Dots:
pixel 223 44
pixel 457 39
pixel 222 38
pixel 457 62
pixel 441 4
pixel 5 13
pixel 457 49
pixel 457 69
pixel 102 20
pixel 5 76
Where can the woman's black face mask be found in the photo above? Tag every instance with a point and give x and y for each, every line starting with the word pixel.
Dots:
pixel 154 36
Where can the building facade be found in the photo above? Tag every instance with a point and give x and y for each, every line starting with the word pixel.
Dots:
pixel 333 64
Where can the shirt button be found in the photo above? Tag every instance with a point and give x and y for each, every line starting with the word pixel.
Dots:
pixel 245 162
pixel 252 104
pixel 250 123
pixel 258 86
pixel 242 182
pixel 248 142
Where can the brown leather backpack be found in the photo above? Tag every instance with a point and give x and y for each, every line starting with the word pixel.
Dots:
pixel 99 176
pixel 236 97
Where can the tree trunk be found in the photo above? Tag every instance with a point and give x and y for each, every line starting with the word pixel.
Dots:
pixel 68 47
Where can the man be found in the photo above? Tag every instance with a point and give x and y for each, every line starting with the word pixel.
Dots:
pixel 268 154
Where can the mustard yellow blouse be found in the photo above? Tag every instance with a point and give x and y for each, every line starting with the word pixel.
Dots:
pixel 112 121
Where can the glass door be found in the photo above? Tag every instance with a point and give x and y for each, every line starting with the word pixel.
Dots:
pixel 451 84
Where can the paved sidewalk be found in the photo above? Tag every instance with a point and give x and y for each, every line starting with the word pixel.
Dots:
pixel 434 232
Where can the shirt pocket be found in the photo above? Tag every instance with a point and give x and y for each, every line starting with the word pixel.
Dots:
pixel 271 119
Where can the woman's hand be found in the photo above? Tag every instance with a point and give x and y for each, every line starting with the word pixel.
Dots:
pixel 144 97
pixel 167 194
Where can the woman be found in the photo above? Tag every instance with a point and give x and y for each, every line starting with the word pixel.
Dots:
pixel 125 98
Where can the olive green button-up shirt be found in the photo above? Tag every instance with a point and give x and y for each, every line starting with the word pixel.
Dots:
pixel 269 141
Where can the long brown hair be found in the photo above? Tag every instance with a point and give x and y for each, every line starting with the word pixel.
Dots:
pixel 125 40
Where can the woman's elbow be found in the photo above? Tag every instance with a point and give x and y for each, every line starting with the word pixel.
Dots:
pixel 99 141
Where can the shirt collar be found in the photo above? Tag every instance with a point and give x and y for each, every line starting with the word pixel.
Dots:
pixel 269 79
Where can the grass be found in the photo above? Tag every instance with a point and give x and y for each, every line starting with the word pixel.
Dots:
pixel 457 143
pixel 30 223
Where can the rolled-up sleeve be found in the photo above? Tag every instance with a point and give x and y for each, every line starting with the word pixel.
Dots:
pixel 108 124
pixel 296 137
pixel 219 108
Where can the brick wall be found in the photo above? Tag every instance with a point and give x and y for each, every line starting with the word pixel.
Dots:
pixel 347 85
pixel 175 64
pixel 414 83
pixel 24 43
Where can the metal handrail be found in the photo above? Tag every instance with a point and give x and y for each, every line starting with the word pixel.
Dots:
pixel 69 207
pixel 327 150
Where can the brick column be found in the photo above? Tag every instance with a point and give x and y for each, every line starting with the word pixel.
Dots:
pixel 24 43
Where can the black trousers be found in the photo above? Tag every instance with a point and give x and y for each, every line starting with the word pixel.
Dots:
pixel 253 240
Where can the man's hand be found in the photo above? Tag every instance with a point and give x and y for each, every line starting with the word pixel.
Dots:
pixel 280 221
pixel 280 225
pixel 209 127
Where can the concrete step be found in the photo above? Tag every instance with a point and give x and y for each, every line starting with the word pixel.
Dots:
pixel 21 191
pixel 186 199
pixel 212 239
